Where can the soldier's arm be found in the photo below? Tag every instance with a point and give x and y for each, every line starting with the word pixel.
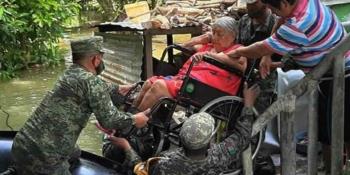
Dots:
pixel 131 157
pixel 240 137
pixel 111 87
pixel 101 104
pixel 231 147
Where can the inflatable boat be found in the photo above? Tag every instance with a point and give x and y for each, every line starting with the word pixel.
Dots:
pixel 89 164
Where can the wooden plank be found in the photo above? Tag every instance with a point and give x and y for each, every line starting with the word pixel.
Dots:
pixel 312 129
pixel 247 161
pixel 148 62
pixel 281 104
pixel 170 41
pixel 337 143
pixel 288 145
pixel 177 30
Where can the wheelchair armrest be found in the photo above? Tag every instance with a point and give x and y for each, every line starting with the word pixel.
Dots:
pixel 177 47
pixel 221 65
pixel 184 49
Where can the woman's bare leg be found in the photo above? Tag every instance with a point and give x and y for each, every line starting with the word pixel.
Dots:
pixel 157 91
pixel 146 86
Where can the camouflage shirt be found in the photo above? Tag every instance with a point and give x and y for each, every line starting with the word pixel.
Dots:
pixel 54 127
pixel 220 156
pixel 249 32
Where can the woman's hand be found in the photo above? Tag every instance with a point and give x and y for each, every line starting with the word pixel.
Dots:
pixel 250 94
pixel 198 57
pixel 120 142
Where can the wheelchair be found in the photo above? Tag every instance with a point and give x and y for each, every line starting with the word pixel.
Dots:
pixel 168 114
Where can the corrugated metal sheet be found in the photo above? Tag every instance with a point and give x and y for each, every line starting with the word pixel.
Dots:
pixel 125 65
pixel 129 26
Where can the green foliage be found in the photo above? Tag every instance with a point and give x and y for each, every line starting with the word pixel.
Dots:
pixel 30 30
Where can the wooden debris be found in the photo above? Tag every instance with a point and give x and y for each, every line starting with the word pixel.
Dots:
pixel 217 5
pixel 180 11
pixel 189 13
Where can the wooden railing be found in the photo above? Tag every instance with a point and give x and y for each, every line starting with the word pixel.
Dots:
pixel 285 105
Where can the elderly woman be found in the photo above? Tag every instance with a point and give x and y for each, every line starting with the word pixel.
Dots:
pixel 223 40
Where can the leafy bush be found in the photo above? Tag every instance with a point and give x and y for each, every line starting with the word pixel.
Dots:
pixel 30 30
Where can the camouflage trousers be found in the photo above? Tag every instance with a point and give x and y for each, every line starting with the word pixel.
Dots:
pixel 266 97
pixel 28 163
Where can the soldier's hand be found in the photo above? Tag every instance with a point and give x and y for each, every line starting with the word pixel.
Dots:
pixel 141 118
pixel 250 94
pixel 120 142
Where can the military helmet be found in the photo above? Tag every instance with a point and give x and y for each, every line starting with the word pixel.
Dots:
pixel 197 131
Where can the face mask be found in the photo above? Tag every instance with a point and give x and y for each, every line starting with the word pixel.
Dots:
pixel 100 68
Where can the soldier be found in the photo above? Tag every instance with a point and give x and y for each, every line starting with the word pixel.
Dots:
pixel 197 156
pixel 48 138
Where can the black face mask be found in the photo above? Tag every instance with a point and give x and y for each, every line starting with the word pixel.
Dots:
pixel 100 68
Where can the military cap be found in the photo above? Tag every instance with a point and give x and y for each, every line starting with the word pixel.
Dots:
pixel 197 130
pixel 89 45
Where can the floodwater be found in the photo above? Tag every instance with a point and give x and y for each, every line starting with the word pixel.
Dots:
pixel 20 96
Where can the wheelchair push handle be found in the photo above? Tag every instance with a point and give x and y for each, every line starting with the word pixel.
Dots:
pixel 183 49
pixel 177 47
pixel 221 65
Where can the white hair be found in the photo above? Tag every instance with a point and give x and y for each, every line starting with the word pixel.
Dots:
pixel 227 23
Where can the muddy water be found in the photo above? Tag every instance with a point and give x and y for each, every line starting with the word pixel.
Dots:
pixel 19 97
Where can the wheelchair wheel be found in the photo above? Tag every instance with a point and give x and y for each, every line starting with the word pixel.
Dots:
pixel 228 109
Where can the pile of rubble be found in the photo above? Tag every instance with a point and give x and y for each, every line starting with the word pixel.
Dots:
pixel 180 13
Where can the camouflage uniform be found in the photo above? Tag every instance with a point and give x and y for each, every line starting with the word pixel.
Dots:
pixel 48 138
pixel 220 157
pixel 250 33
